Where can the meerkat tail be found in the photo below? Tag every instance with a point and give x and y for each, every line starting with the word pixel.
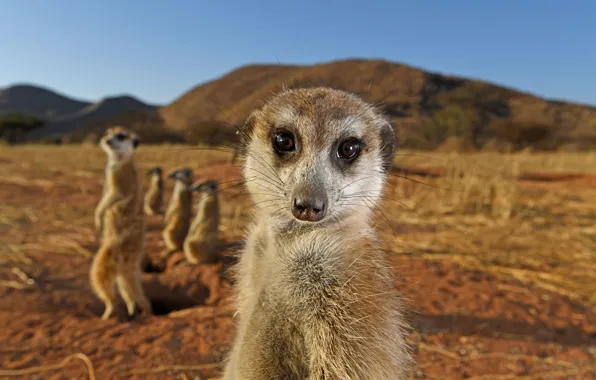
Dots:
pixel 199 252
pixel 102 276
pixel 189 254
pixel 148 210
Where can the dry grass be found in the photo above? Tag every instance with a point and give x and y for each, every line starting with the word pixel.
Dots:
pixel 568 162
pixel 482 217
pixel 465 188
pixel 62 364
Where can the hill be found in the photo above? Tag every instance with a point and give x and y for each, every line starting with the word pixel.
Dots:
pixel 426 108
pixel 103 110
pixel 64 115
pixel 38 101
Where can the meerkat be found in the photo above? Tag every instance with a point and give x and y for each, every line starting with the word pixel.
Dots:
pixel 179 212
pixel 122 224
pixel 315 296
pixel 154 195
pixel 200 245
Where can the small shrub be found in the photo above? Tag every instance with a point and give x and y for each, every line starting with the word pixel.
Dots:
pixel 521 134
pixel 451 121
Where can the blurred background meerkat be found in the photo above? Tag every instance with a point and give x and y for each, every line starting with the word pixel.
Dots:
pixel 154 194
pixel 179 212
pixel 122 225
pixel 200 245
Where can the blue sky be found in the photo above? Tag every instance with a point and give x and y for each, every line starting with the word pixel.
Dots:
pixel 158 49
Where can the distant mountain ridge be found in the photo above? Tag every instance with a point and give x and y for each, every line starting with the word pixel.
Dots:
pixel 64 114
pixel 427 109
pixel 38 101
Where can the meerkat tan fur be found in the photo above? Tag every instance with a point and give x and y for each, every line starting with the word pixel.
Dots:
pixel 154 194
pixel 179 212
pixel 122 224
pixel 315 296
pixel 200 245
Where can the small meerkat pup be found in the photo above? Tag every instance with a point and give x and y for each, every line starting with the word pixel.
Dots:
pixel 200 245
pixel 122 225
pixel 179 212
pixel 154 195
pixel 315 296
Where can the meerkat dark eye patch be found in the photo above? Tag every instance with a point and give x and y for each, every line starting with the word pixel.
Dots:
pixel 283 141
pixel 120 136
pixel 349 149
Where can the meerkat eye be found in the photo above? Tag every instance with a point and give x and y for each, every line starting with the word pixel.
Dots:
pixel 120 136
pixel 283 141
pixel 349 149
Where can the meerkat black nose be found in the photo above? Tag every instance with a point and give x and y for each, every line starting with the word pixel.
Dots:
pixel 308 209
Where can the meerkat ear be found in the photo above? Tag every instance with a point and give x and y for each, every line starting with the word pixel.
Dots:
pixel 135 142
pixel 388 144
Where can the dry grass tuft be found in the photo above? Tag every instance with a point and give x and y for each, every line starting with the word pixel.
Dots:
pixel 465 188
pixel 62 364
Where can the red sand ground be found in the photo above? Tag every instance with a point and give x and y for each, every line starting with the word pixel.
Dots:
pixel 467 324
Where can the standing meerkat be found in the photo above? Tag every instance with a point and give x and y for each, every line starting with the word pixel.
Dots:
pixel 122 225
pixel 316 298
pixel 200 245
pixel 179 212
pixel 154 195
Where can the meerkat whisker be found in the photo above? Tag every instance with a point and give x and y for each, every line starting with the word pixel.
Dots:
pixel 422 183
pixel 274 202
pixel 275 179
pixel 358 195
pixel 270 170
pixel 220 148
pixel 272 191
pixel 267 179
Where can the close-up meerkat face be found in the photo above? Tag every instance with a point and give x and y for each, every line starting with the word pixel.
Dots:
pixel 317 155
pixel 119 142
pixel 184 175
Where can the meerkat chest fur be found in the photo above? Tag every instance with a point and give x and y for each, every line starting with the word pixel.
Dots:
pixel 319 273
pixel 181 198
pixel 207 217
pixel 123 185
pixel 156 182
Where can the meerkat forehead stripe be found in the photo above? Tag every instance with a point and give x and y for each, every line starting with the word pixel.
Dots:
pixel 352 123
pixel 286 115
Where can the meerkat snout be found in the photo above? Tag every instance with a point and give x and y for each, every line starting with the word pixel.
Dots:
pixel 309 206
